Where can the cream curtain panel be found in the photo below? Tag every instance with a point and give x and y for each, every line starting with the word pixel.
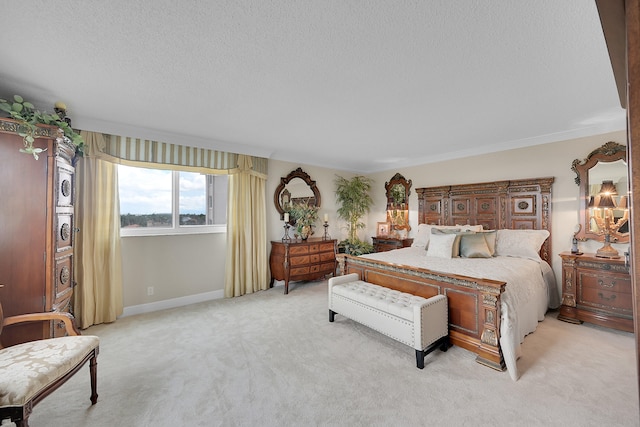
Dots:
pixel 246 268
pixel 98 263
pixel 98 266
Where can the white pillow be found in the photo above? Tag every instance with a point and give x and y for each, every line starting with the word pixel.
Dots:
pixel 520 243
pixel 422 239
pixel 424 232
pixel 441 245
pixel 467 227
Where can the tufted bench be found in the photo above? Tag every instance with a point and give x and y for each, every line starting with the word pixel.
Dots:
pixel 421 323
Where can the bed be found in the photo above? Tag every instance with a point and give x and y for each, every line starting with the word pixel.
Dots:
pixel 495 300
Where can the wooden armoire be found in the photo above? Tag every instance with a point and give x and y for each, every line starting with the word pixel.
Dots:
pixel 36 229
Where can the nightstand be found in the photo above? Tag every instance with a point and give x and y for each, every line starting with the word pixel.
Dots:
pixel 382 244
pixel 596 290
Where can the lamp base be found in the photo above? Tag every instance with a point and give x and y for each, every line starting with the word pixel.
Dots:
pixel 607 252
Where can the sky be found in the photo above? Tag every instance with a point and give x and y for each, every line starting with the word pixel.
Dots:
pixel 146 191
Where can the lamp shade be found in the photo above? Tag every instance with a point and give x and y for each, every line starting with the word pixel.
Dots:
pixel 606 201
pixel 608 188
pixel 594 201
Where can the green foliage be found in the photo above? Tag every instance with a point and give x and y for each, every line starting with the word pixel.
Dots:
pixel 355 247
pixel 25 113
pixel 355 201
pixel 303 214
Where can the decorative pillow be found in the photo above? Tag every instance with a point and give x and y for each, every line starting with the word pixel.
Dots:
pixel 490 236
pixel 424 232
pixel 474 245
pixel 467 227
pixel 520 243
pixel 435 230
pixel 422 239
pixel 455 250
pixel 441 245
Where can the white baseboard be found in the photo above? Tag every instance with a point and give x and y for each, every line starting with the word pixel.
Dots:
pixel 171 303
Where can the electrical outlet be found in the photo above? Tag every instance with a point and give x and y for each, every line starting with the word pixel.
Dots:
pixel 150 290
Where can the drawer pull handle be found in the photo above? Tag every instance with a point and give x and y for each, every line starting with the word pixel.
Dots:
pixel 606 285
pixel 611 298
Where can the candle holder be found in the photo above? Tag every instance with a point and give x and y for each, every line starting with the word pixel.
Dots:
pixel 286 237
pixel 326 234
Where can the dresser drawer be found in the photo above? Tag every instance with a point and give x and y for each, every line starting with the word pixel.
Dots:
pixel 299 260
pixel 315 258
pixel 313 248
pixel 298 250
pixel 384 247
pixel 327 256
pixel 326 247
pixel 604 299
pixel 611 282
pixel 298 271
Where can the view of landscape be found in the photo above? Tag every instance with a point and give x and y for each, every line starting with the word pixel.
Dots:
pixel 146 197
pixel 160 220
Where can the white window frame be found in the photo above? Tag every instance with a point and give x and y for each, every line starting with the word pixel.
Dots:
pixel 177 229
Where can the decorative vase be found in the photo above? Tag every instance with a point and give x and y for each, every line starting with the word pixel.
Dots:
pixel 305 232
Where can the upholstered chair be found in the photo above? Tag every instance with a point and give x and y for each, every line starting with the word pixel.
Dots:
pixel 29 372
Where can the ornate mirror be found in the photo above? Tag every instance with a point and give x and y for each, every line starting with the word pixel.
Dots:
pixel 398 191
pixel 603 182
pixel 294 188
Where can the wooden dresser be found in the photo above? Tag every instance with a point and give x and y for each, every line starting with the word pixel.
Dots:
pixel 36 230
pixel 383 244
pixel 596 290
pixel 308 259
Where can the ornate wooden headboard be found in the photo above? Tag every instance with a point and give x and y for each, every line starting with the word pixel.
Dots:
pixel 515 204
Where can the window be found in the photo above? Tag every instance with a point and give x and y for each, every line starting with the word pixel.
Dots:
pixel 155 202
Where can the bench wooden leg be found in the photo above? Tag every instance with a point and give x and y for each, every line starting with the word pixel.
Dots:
pixel 420 355
pixel 93 372
pixel 442 343
pixel 332 315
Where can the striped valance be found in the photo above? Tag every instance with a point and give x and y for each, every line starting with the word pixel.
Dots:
pixel 143 151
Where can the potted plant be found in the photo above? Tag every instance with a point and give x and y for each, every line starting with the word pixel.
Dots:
pixel 26 114
pixel 304 215
pixel 353 196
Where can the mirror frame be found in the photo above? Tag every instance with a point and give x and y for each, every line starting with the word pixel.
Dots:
pixel 298 173
pixel 609 152
pixel 398 179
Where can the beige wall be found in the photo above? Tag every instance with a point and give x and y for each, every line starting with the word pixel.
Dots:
pixel 176 267
pixel 183 266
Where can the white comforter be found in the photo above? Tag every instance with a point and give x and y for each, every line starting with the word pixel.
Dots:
pixel 530 290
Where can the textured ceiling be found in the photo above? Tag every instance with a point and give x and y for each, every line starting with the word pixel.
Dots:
pixel 362 86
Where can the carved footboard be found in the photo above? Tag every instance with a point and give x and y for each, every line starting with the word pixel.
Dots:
pixel 474 304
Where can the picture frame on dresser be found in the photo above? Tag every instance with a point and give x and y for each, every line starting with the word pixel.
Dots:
pixel 383 229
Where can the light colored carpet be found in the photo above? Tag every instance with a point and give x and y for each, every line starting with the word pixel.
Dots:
pixel 269 359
